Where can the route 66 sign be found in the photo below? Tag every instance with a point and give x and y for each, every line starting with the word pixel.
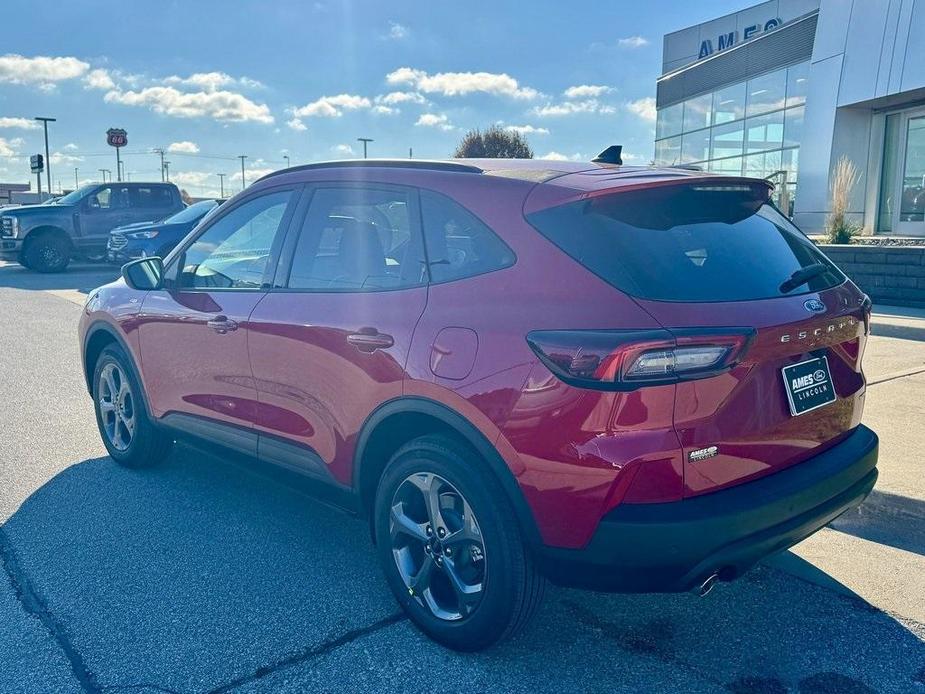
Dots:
pixel 116 137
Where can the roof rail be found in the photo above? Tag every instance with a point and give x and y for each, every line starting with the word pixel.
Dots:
pixel 423 164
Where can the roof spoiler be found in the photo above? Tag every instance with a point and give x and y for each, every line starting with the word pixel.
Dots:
pixel 611 155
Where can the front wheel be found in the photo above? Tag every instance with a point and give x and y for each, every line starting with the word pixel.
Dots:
pixel 47 252
pixel 451 547
pixel 130 437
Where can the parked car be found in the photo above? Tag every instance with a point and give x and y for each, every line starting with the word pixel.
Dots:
pixel 46 237
pixel 618 378
pixel 156 238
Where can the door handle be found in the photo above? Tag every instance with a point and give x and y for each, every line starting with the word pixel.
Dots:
pixel 369 340
pixel 222 324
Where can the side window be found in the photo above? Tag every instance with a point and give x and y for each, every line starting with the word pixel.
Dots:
pixel 358 239
pixel 109 198
pixel 154 198
pixel 458 244
pixel 233 252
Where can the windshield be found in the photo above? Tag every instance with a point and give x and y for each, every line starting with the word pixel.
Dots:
pixel 689 243
pixel 76 196
pixel 191 213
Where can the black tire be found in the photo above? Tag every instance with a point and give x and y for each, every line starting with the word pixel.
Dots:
pixel 47 252
pixel 148 444
pixel 511 586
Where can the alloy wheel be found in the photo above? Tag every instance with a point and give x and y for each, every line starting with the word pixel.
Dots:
pixel 117 406
pixel 437 546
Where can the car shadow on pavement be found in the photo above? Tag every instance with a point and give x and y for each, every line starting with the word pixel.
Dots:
pixel 202 576
pixel 82 278
pixel 887 519
pixel 901 332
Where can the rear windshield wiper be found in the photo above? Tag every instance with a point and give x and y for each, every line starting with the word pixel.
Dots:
pixel 802 276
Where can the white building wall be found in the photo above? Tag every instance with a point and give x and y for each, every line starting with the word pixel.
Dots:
pixel 867 53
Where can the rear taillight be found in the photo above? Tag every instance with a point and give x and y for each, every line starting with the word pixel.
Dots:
pixel 629 359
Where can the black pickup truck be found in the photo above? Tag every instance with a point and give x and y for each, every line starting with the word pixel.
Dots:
pixel 46 237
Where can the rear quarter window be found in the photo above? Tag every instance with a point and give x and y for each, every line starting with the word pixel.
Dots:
pixel 696 243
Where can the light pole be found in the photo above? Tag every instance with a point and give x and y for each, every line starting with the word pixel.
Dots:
pixel 45 122
pixel 76 180
pixel 365 141
pixel 160 151
pixel 167 170
pixel 103 173
pixel 286 157
pixel 242 157
pixel 221 184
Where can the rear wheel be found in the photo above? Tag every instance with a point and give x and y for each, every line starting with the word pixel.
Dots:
pixel 451 547
pixel 130 437
pixel 47 252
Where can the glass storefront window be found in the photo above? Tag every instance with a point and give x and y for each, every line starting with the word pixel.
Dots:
pixel 912 202
pixel 730 167
pixel 729 104
pixel 668 121
pixel 766 93
pixel 695 146
pixel 793 126
pixel 668 151
pixel 888 172
pixel 727 140
pixel 697 112
pixel 764 132
pixel 797 84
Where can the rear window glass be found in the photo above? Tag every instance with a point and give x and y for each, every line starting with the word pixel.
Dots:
pixel 689 243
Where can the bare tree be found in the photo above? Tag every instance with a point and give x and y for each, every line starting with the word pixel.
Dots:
pixel 494 143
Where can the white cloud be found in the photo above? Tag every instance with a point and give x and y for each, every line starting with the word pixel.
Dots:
pixel 397 31
pixel 220 105
pixel 183 147
pixel 332 106
pixel 385 110
pixel 212 81
pixel 393 98
pixel 558 156
pixel 22 123
pixel 633 42
pixel 644 108
pixel 71 147
pixel 40 70
pixel 8 148
pixel 343 150
pixel 567 108
pixel 99 79
pixel 461 83
pixel 296 124
pixel 61 159
pixel 584 91
pixel 435 120
pixel 527 130
pixel 251 175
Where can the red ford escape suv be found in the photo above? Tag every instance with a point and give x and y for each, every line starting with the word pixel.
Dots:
pixel 613 377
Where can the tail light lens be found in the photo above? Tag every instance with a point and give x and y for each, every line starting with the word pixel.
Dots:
pixel 626 360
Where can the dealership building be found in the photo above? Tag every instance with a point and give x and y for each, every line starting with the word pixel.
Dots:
pixel 786 88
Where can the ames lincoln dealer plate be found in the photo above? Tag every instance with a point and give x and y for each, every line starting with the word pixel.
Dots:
pixel 808 385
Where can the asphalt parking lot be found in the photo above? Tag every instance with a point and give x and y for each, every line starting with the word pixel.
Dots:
pixel 202 576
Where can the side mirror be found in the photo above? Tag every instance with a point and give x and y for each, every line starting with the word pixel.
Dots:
pixel 145 274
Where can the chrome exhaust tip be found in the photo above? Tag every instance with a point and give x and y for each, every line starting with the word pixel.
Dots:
pixel 704 588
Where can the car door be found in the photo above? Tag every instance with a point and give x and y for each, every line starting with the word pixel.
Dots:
pixel 103 211
pixel 330 341
pixel 193 334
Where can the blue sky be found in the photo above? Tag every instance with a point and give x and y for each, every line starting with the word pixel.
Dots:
pixel 212 80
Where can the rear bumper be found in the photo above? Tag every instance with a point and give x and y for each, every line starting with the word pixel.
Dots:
pixel 672 547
